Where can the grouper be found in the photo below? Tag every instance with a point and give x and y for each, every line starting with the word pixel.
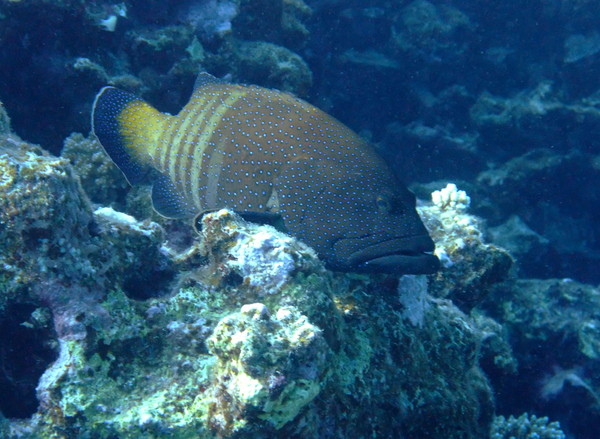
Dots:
pixel 274 158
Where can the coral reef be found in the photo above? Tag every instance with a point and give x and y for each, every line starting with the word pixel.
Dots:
pixel 271 366
pixel 533 253
pixel 557 310
pixel 210 19
pixel 267 64
pixel 242 331
pixel 458 88
pixel 430 30
pixel 525 427
pixel 57 261
pixel 456 152
pixel 281 22
pixel 45 215
pixel 262 259
pixel 115 320
pixel 469 266
pixel 539 110
pixel 555 339
pixel 102 180
pixel 549 202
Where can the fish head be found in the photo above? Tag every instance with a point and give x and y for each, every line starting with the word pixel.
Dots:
pixel 366 221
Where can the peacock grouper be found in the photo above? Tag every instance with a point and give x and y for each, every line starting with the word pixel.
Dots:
pixel 269 156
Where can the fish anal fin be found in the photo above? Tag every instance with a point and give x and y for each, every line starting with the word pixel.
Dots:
pixel 168 201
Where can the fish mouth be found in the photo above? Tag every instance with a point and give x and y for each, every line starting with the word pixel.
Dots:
pixel 409 255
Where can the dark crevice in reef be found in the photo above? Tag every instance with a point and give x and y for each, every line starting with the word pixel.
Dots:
pixel 25 353
pixel 146 284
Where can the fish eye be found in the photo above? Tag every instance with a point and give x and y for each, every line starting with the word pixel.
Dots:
pixel 383 203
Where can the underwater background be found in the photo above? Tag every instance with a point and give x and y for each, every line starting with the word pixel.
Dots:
pixel 118 323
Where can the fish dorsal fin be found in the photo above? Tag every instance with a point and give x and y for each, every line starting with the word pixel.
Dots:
pixel 204 79
pixel 168 201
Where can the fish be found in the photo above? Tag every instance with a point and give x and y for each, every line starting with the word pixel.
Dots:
pixel 273 158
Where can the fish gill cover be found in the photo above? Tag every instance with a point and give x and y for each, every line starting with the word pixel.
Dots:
pixel 117 322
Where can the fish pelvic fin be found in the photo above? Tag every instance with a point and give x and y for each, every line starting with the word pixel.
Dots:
pixel 168 201
pixel 128 129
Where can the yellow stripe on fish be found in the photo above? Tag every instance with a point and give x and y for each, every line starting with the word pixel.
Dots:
pixel 268 155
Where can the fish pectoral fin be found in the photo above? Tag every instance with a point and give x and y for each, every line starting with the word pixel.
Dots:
pixel 266 218
pixel 168 201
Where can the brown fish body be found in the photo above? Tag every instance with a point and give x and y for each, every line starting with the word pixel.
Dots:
pixel 256 150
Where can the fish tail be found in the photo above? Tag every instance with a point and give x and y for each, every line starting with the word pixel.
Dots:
pixel 128 128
